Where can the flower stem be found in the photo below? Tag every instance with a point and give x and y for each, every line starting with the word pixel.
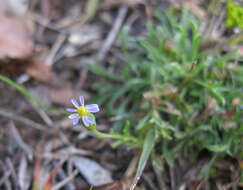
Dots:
pixel 105 135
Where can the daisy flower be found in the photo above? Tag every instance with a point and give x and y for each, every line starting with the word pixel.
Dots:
pixel 82 112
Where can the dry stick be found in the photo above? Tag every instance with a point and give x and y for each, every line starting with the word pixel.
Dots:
pixel 19 141
pixel 219 21
pixel 62 176
pixel 149 181
pixel 172 178
pixel 5 177
pixel 5 180
pixel 65 181
pixel 23 120
pixel 159 177
pixel 43 21
pixel 11 167
pixel 43 115
pixel 113 33
pixel 213 21
pixel 58 43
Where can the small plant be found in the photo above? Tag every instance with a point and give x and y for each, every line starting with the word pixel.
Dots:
pixel 234 15
pixel 178 100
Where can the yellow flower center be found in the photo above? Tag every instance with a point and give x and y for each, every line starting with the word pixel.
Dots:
pixel 82 111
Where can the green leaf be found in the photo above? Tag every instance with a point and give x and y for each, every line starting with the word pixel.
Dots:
pixel 126 129
pixel 168 155
pixel 148 146
pixel 213 91
pixel 218 148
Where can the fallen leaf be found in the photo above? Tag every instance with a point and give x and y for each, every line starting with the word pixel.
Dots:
pixel 15 34
pixel 64 94
pixel 19 7
pixel 84 34
pixel 94 173
pixel 42 72
pixel 195 8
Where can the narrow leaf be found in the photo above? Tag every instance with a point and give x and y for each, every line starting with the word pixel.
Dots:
pixel 147 149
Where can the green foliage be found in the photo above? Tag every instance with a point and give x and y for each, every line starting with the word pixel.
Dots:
pixel 234 15
pixel 191 99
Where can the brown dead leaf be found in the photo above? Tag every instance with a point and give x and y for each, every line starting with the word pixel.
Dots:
pixel 41 71
pixel 236 101
pixel 15 34
pixel 195 8
pixel 63 95
pixel 192 5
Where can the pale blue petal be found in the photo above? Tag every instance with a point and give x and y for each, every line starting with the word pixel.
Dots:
pixel 87 121
pixel 76 120
pixel 75 103
pixel 92 108
pixel 81 99
pixel 90 120
pixel 73 116
pixel 71 110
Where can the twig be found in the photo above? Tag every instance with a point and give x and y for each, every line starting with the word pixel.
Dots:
pixel 11 167
pixel 62 175
pixel 149 181
pixel 5 177
pixel 4 181
pixel 172 178
pixel 43 115
pixel 65 181
pixel 58 43
pixel 23 120
pixel 19 141
pixel 43 21
pixel 161 182
pixel 113 33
